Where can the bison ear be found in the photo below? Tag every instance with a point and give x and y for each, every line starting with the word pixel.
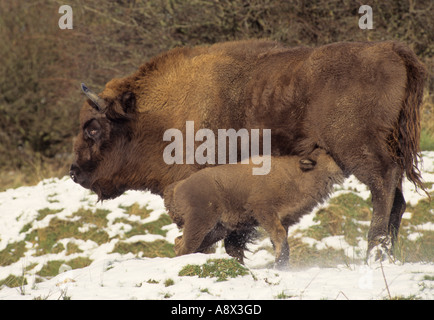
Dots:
pixel 307 164
pixel 123 108
pixel 128 102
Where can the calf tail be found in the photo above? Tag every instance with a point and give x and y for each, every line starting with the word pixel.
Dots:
pixel 407 133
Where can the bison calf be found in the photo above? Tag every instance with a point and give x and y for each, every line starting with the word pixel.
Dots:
pixel 228 202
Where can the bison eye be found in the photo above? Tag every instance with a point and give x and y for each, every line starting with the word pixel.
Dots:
pixel 93 130
pixel 92 133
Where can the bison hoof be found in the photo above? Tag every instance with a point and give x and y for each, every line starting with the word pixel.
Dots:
pixel 282 265
pixel 380 251
pixel 208 250
pixel 178 245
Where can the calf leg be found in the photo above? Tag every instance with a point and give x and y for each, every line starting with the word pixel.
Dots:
pixel 198 224
pixel 278 235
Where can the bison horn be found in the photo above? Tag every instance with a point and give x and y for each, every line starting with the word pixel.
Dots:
pixel 99 104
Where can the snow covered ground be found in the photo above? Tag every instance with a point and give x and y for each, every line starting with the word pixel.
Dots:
pixel 114 275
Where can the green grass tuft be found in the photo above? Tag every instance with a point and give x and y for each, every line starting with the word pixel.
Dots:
pixel 12 253
pixel 45 212
pixel 137 210
pixel 154 227
pixel 12 281
pixel 51 268
pixel 157 248
pixel 342 217
pixel 426 140
pixel 222 269
pixel 46 239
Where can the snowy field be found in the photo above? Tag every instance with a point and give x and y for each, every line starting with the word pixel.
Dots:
pixel 28 216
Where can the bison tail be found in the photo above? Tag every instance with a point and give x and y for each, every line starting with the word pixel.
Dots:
pixel 408 129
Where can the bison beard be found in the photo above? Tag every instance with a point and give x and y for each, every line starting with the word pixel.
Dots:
pixel 358 101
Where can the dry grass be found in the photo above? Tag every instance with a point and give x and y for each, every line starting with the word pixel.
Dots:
pixel 427 122
pixel 41 67
pixel 32 174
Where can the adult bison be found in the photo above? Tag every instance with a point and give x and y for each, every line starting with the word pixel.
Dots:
pixel 358 101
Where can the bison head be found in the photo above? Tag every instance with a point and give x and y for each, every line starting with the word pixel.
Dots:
pixel 102 146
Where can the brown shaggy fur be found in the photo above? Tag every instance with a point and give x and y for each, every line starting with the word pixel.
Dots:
pixel 216 203
pixel 358 101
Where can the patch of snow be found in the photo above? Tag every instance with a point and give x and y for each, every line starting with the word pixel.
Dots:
pixel 116 276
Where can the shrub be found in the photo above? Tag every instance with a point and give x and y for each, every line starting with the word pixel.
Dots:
pixel 41 66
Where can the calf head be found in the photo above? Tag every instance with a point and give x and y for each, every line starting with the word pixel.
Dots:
pixel 103 145
pixel 319 159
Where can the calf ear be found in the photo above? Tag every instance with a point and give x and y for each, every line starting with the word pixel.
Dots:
pixel 307 164
pixel 128 102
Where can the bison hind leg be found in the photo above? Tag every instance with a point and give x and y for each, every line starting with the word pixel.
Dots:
pixel 383 176
pixel 282 261
pixel 398 210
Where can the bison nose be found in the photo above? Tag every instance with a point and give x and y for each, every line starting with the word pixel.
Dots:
pixel 73 173
pixel 79 176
